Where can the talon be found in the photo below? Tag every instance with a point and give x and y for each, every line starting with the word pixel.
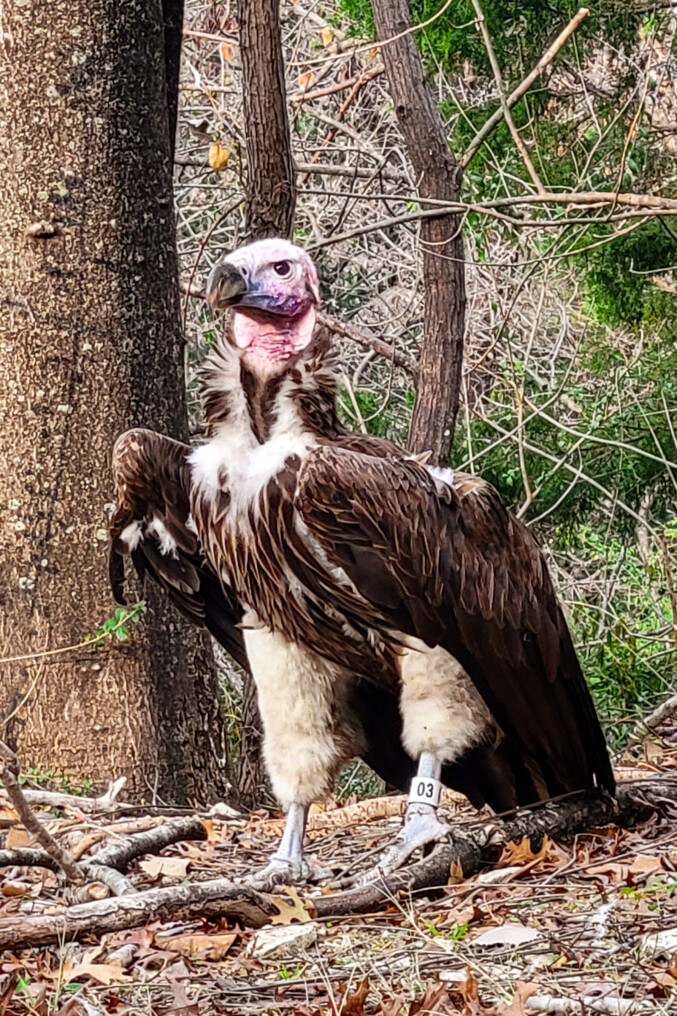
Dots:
pixel 281 872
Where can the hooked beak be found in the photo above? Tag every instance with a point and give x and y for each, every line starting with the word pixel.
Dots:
pixel 226 286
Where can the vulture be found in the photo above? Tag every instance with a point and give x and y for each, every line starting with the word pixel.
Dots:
pixel 386 608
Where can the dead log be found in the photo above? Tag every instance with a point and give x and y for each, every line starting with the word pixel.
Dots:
pixel 470 849
pixel 216 898
pixel 150 841
pixel 117 855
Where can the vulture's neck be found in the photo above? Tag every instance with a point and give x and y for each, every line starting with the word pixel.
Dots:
pixel 240 405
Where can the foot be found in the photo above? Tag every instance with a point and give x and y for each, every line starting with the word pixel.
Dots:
pixel 280 872
pixel 420 828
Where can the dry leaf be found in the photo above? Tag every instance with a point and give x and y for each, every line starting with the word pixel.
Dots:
pixel 326 35
pixel 645 865
pixel 455 873
pixel 18 837
pixel 305 79
pixel 181 1004
pixel 523 991
pixel 202 946
pixel 297 910
pixel 353 1002
pixel 469 991
pixel 521 853
pixel 508 934
pixel 612 872
pixel 218 156
pixel 226 51
pixel 174 867
pixel 434 997
pixel 104 973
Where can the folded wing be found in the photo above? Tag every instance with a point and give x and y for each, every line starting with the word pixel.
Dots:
pixel 152 523
pixel 454 568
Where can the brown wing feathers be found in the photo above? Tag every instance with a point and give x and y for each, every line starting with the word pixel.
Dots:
pixel 152 478
pixel 462 573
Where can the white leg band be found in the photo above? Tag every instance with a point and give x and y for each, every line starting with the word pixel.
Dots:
pixel 425 790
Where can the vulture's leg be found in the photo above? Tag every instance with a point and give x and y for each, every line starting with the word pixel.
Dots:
pixel 442 716
pixel 307 736
pixel 421 825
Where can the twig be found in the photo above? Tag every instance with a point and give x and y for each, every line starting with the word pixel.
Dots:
pixel 54 850
pixel 339 328
pixel 524 86
pixel 371 342
pixel 338 86
pixel 519 143
pixel 646 725
pixel 321 168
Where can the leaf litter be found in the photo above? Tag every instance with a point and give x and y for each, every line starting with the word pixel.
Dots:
pixel 593 920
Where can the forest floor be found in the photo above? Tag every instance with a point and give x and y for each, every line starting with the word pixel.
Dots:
pixel 583 927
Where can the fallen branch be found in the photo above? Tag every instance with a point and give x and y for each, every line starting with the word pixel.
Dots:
pixel 55 799
pixel 40 834
pixel 471 849
pixel 216 898
pixel 116 856
pixel 664 711
pixel 585 1004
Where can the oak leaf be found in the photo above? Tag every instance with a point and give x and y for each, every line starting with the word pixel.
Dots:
pixel 174 867
pixel 104 973
pixel 296 910
pixel 202 946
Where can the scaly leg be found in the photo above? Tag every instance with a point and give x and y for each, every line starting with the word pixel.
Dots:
pixel 421 825
pixel 288 864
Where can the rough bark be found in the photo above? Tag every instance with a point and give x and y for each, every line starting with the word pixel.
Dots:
pixel 269 181
pixel 172 17
pixel 91 344
pixel 439 177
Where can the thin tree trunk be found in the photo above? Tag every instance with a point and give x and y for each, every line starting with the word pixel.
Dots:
pixel 270 181
pixel 270 185
pixel 91 344
pixel 439 176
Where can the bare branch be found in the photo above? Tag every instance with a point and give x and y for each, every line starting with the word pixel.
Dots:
pixel 524 86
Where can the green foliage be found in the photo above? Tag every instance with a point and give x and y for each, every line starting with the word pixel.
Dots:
pixel 519 29
pixel 46 779
pixel 117 626
pixel 619 277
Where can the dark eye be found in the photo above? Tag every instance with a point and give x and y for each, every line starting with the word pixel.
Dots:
pixel 282 268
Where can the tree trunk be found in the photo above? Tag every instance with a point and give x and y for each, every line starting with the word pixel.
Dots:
pixel 91 344
pixel 270 183
pixel 439 176
pixel 172 17
pixel 270 186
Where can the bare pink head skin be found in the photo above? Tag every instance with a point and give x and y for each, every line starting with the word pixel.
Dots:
pixel 271 287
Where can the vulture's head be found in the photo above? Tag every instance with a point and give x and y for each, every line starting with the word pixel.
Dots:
pixel 271 287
